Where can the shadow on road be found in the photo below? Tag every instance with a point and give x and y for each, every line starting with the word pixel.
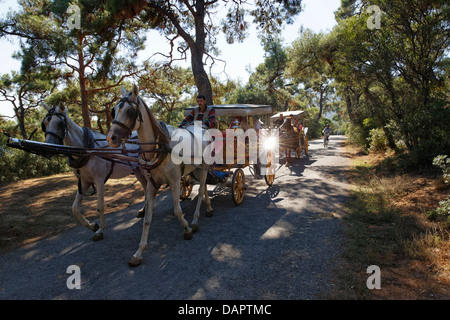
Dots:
pixel 280 243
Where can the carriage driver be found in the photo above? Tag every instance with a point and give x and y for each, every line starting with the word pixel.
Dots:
pixel 203 113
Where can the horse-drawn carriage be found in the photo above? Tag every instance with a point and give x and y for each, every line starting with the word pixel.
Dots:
pixel 293 133
pixel 249 143
pixel 113 156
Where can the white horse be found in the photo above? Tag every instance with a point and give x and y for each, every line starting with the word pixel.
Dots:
pixel 92 171
pixel 133 114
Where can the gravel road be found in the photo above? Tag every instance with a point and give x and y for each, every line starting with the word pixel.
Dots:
pixel 281 243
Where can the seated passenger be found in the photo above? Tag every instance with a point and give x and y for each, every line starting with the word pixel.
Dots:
pixel 239 122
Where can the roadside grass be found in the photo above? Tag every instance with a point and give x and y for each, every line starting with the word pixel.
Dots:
pixel 387 226
pixel 40 208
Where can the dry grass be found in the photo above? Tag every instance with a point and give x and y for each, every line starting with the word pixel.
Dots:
pixel 387 226
pixel 39 208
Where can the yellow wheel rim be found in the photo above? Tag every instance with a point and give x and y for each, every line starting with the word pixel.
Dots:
pixel 186 187
pixel 238 186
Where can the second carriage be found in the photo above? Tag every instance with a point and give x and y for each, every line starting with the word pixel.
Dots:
pixel 298 121
pixel 236 120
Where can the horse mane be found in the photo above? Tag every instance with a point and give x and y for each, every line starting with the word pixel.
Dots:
pixel 159 131
pixel 287 125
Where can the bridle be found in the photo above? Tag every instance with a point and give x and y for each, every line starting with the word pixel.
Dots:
pixel 62 124
pixel 134 115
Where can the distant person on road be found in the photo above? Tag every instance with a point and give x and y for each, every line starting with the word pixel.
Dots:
pixel 327 131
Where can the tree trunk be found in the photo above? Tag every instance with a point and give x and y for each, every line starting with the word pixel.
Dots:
pixel 197 48
pixel 20 115
pixel 83 88
pixel 323 92
pixel 200 76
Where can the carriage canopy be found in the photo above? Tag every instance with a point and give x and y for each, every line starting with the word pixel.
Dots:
pixel 236 110
pixel 296 114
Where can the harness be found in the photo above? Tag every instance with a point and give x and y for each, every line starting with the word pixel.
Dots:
pixel 135 115
pixel 161 133
pixel 62 124
pixel 89 141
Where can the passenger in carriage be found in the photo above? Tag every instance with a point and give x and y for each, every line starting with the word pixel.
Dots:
pixel 239 122
pixel 257 124
pixel 279 121
pixel 203 113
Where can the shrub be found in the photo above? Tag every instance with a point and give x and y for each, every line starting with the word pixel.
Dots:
pixel 17 164
pixel 443 162
pixel 377 140
pixel 441 213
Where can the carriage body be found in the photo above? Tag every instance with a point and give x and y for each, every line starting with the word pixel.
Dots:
pixel 221 173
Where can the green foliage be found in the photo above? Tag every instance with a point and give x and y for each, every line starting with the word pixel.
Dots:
pixel 17 164
pixel 443 162
pixel 395 75
pixel 441 213
pixel 315 127
pixel 377 140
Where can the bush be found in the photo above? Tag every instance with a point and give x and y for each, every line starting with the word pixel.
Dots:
pixel 443 162
pixel 441 213
pixel 357 136
pixel 377 140
pixel 17 164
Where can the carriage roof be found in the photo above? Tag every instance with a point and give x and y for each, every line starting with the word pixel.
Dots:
pixel 297 114
pixel 237 109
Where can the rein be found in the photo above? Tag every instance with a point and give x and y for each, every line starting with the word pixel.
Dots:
pixel 62 118
pixel 135 116
pixel 160 131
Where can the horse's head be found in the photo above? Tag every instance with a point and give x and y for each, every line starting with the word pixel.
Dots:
pixel 54 125
pixel 286 126
pixel 125 117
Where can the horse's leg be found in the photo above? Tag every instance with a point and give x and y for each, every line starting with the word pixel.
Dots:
pixel 150 197
pixel 100 209
pixel 175 186
pixel 76 205
pixel 202 190
pixel 287 155
pixel 141 178
pixel 209 209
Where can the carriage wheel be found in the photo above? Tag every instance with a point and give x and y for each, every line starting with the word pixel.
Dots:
pixel 238 187
pixel 270 173
pixel 187 183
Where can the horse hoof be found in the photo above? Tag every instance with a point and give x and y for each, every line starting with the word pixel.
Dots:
pixel 97 236
pixel 209 213
pixel 194 227
pixel 141 213
pixel 187 235
pixel 134 262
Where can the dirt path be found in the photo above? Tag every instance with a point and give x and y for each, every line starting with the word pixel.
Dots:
pixel 282 242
